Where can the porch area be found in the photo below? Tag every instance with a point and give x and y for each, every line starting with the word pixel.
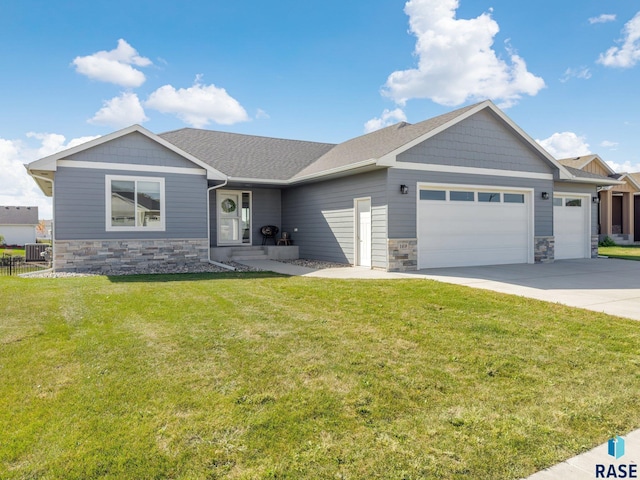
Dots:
pixel 254 252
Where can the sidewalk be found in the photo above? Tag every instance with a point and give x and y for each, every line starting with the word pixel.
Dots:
pixel 584 466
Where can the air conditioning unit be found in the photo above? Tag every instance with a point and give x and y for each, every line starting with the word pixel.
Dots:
pixel 32 251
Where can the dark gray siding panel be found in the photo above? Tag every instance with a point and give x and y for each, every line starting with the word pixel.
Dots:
pixel 136 149
pixel 266 211
pixel 323 213
pixel 79 205
pixel 582 188
pixel 480 141
pixel 402 208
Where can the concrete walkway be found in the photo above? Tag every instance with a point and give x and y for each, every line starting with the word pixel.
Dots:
pixel 603 285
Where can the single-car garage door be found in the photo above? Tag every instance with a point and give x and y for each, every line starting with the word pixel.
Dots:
pixel 571 226
pixel 466 226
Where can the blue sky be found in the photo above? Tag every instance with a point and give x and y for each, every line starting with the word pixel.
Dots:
pixel 566 72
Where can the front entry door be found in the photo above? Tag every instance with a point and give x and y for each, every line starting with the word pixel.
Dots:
pixel 363 232
pixel 233 208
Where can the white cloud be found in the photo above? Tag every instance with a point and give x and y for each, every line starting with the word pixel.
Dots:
pixel 624 167
pixel 16 186
pixel 604 18
pixel 456 61
pixel 114 66
pixel 388 117
pixel 565 145
pixel 198 105
pixel 608 144
pixel 120 112
pixel 51 143
pixel 581 72
pixel 261 114
pixel 628 54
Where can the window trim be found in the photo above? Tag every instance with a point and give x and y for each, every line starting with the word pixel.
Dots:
pixel 161 227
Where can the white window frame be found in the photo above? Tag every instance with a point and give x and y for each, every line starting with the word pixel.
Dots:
pixel 161 227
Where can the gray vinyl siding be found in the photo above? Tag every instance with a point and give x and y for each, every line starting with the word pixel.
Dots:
pixel 582 188
pixel 134 149
pixel 266 210
pixel 402 208
pixel 80 210
pixel 481 141
pixel 323 213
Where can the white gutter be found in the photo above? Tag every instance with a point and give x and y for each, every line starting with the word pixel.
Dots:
pixel 213 262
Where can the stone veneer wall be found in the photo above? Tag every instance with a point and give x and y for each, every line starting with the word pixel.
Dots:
pixel 104 256
pixel 544 249
pixel 402 254
pixel 594 246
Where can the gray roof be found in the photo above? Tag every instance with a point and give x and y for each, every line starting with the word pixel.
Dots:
pixel 582 174
pixel 248 156
pixel 377 144
pixel 573 162
pixel 18 215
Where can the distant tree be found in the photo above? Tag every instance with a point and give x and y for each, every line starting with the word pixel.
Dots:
pixel 1 239
pixel 41 228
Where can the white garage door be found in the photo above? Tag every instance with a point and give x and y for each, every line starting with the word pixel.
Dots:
pixel 571 226
pixel 466 226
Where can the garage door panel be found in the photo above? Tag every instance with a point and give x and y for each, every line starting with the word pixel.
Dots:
pixel 452 233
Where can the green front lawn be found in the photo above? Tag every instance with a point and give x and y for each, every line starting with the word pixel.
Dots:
pixel 262 376
pixel 18 252
pixel 627 252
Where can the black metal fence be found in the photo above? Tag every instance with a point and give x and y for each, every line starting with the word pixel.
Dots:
pixel 15 265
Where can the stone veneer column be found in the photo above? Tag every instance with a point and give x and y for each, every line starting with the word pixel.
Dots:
pixel 402 254
pixel 105 256
pixel 594 246
pixel 544 249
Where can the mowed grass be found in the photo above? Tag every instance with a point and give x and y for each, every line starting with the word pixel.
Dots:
pixel 626 252
pixel 261 376
pixel 12 251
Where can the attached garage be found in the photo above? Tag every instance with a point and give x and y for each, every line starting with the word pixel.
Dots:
pixel 572 225
pixel 461 225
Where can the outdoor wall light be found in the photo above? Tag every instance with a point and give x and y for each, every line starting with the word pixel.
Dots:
pixel 545 195
pixel 404 189
pixel 595 199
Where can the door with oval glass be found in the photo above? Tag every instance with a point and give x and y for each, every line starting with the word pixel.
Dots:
pixel 234 217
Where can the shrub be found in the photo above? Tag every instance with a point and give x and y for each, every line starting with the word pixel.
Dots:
pixel 607 242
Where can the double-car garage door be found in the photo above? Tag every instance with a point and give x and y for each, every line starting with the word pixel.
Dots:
pixel 467 226
pixel 470 226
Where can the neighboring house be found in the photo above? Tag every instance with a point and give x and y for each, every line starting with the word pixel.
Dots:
pixel 465 188
pixel 18 224
pixel 619 212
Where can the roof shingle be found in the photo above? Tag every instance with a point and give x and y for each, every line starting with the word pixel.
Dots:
pixel 18 215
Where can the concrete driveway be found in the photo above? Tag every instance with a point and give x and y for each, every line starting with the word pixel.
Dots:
pixel 602 284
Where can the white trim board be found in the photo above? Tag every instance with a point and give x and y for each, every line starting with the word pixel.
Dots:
pixel 130 167
pixel 430 167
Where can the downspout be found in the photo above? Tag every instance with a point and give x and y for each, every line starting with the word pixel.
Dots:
pixel 213 262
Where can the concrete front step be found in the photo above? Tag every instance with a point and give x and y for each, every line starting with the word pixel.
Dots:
pixel 249 253
pixel 250 257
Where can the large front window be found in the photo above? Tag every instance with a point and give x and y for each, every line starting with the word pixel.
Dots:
pixel 134 203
